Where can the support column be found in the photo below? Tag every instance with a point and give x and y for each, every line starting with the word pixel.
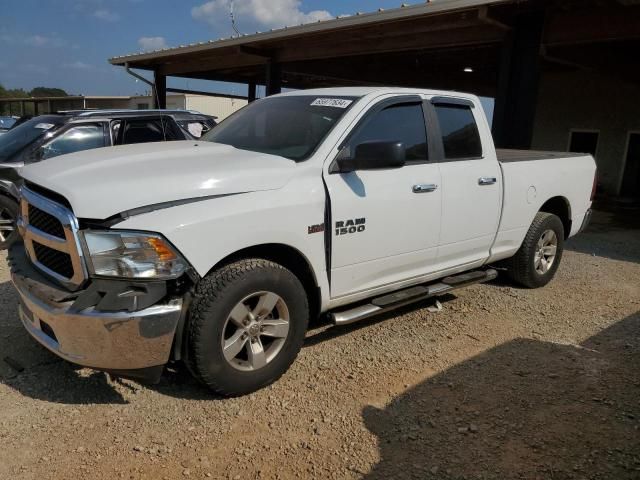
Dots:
pixel 22 108
pixel 251 92
pixel 35 108
pixel 274 78
pixel 518 82
pixel 159 90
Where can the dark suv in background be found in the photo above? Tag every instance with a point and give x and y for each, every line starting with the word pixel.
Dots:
pixel 48 136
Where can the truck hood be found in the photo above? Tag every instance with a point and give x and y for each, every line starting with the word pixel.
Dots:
pixel 107 181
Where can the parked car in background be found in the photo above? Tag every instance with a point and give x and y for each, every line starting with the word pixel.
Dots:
pixel 6 123
pixel 47 136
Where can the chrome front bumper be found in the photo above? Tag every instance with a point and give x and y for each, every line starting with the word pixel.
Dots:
pixel 112 341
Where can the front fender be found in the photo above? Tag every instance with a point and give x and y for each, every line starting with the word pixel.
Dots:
pixel 207 232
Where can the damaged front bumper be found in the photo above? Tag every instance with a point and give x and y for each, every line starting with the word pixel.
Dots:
pixel 134 344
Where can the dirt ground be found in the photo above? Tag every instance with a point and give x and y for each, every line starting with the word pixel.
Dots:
pixel 503 383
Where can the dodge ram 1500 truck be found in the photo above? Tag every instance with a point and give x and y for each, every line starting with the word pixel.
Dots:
pixel 217 252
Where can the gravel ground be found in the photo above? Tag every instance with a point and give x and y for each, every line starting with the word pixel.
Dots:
pixel 502 383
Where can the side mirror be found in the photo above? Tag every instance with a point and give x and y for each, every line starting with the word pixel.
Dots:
pixel 374 156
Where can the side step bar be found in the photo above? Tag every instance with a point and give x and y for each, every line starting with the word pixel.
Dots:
pixel 411 295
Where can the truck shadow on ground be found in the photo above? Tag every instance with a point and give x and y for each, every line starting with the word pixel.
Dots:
pixel 525 409
pixel 35 372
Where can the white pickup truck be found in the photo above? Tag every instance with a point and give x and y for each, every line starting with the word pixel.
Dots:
pixel 346 202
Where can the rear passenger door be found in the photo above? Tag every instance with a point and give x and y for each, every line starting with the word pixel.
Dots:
pixel 471 184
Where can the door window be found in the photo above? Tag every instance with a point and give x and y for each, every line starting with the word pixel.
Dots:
pixel 631 178
pixel 76 139
pixel 146 130
pixel 583 142
pixel 397 123
pixel 460 136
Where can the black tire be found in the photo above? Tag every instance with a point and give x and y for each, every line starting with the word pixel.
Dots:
pixel 521 268
pixel 216 296
pixel 8 211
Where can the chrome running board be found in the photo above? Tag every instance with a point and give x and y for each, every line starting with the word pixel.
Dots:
pixel 411 295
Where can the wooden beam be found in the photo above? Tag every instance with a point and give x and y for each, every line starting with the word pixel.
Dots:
pixel 592 26
pixel 253 51
pixel 410 42
pixel 207 94
pixel 210 63
pixel 465 28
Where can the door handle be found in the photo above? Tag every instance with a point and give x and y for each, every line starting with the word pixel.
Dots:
pixel 487 180
pixel 425 188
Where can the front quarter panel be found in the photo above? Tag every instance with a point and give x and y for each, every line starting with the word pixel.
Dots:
pixel 208 231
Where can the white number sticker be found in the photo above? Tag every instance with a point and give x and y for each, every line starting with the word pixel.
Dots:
pixel 332 102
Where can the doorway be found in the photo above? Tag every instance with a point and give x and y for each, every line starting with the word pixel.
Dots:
pixel 631 177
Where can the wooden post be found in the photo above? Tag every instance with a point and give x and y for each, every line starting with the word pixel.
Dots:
pixel 159 90
pixel 251 92
pixel 518 82
pixel 274 78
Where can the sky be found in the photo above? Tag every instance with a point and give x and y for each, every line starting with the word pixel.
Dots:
pixel 66 43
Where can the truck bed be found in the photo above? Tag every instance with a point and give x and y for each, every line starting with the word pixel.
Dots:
pixel 506 156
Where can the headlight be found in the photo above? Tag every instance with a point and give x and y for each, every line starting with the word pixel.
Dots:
pixel 132 255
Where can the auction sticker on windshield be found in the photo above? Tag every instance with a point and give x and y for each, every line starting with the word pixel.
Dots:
pixel 332 102
pixel 44 126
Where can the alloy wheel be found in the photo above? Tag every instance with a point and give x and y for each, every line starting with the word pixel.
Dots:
pixel 255 331
pixel 545 252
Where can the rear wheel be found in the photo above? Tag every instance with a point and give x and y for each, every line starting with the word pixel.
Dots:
pixel 536 262
pixel 247 325
pixel 8 215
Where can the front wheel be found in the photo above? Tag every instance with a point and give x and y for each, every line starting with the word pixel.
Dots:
pixel 536 262
pixel 8 215
pixel 247 324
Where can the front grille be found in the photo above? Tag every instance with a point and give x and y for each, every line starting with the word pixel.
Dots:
pixel 50 233
pixel 45 222
pixel 57 262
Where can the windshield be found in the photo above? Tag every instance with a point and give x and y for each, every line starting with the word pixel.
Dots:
pixel 23 135
pixel 6 122
pixel 289 126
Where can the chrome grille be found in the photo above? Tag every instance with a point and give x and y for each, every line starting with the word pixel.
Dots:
pixel 54 260
pixel 45 223
pixel 50 234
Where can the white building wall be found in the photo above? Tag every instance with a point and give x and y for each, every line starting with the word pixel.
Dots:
pixel 589 101
pixel 220 107
pixel 217 106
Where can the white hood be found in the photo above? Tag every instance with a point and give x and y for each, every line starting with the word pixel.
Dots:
pixel 103 182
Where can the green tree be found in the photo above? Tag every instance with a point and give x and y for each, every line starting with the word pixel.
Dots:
pixel 47 92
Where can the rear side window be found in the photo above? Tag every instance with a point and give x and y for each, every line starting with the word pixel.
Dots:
pixel 397 123
pixel 196 128
pixel 460 136
pixel 146 130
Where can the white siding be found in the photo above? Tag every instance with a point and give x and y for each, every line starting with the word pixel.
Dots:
pixel 217 106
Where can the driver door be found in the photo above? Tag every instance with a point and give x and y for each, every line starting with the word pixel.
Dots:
pixel 385 223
